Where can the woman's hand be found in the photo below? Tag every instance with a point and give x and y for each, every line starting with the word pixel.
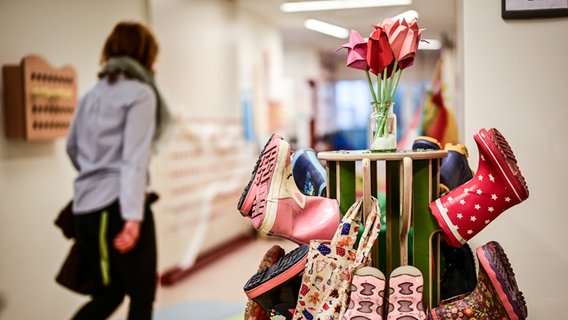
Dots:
pixel 127 238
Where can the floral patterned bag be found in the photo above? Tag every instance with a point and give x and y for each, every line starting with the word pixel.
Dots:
pixel 327 276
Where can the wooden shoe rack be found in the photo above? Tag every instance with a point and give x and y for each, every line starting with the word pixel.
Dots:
pixel 411 178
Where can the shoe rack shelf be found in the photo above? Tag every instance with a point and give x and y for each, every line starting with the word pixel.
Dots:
pixel 411 234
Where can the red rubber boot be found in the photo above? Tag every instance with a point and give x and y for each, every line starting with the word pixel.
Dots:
pixel 497 186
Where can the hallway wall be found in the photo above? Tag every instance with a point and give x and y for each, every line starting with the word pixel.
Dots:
pixel 36 177
pixel 515 76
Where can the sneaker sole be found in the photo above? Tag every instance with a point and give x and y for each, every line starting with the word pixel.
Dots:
pixel 288 267
pixel 270 172
pixel 366 308
pixel 501 154
pixel 494 261
pixel 253 311
pixel 406 274
pixel 246 200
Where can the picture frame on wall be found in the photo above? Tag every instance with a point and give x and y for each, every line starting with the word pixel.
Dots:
pixel 526 9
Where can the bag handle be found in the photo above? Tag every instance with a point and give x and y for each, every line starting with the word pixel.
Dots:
pixel 370 233
pixel 346 233
pixel 348 230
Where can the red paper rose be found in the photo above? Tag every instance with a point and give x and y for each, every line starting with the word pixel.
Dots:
pixel 379 53
pixel 403 37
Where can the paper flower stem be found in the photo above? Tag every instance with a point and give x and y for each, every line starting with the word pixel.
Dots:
pixel 384 85
pixel 393 89
pixel 371 85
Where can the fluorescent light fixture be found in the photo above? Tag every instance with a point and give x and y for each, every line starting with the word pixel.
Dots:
pixel 432 44
pixel 326 28
pixel 339 4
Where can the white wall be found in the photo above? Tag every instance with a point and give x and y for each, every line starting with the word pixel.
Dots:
pixel 200 174
pixel 36 178
pixel 516 80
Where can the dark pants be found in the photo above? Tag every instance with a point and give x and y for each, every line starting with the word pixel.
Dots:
pixel 133 273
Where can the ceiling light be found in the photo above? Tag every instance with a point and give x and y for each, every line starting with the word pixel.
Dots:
pixel 339 4
pixel 327 28
pixel 430 44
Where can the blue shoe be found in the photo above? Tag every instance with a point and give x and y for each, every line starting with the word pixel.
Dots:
pixel 455 169
pixel 459 273
pixel 309 174
pixel 422 143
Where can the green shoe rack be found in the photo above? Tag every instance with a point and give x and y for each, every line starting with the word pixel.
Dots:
pixel 411 235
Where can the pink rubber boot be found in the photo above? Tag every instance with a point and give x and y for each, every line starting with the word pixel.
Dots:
pixel 280 209
pixel 246 201
pixel 497 186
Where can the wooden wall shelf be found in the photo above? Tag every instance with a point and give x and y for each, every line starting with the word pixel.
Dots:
pixel 39 100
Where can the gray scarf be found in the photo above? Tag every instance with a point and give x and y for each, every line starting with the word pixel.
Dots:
pixel 136 70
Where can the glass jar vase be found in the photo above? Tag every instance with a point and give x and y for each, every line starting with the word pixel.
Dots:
pixel 382 127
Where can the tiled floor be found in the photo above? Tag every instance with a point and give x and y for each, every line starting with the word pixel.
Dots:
pixel 220 281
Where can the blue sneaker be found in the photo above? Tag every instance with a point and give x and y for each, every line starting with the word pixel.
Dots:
pixel 309 174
